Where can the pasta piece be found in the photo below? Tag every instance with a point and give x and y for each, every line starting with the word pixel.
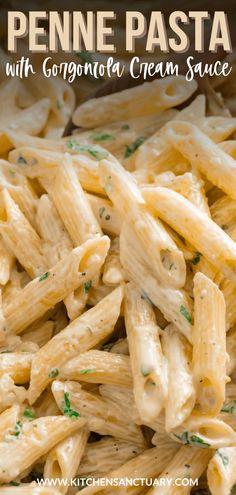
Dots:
pixel 162 251
pixel 32 489
pixel 18 455
pixel 146 99
pixel 195 227
pixel 231 351
pixel 82 334
pixel 105 455
pixel 17 365
pixel 29 121
pixel 98 367
pixel 8 419
pixel 108 218
pixel 149 464
pixel 20 237
pixel 57 242
pixel 40 335
pixel 39 163
pixel 174 304
pixel 209 345
pixel 181 393
pixel 205 432
pixel 155 151
pixel 112 270
pixel 101 416
pixel 6 262
pixel 10 394
pixel 187 463
pixel 147 361
pixel 200 149
pixel 63 460
pixel 189 185
pixel 221 472
pixel 44 292
pixel 72 204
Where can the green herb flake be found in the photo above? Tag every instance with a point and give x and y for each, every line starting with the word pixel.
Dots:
pixel 73 145
pixel 21 160
pixel 88 370
pixel 171 266
pixel 87 286
pixel 18 428
pixel 86 56
pixel 224 458
pixel 29 413
pixel 44 276
pixel 66 407
pixel 233 490
pixel 14 483
pixel 101 211
pixel 102 136
pixel 131 148
pixel 5 352
pixel 12 172
pixel 196 258
pixel 192 440
pixel 195 440
pixel 230 408
pixel 53 373
pixel 145 371
pixel 125 127
pixel 184 312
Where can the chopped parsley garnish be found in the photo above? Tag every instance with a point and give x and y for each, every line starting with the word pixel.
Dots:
pixel 72 144
pixel 88 370
pixel 230 408
pixel 125 127
pixel 14 483
pixel 131 148
pixel 233 490
pixel 184 312
pixel 101 211
pixel 196 258
pixel 12 172
pixel 18 428
pixel 171 266
pixel 21 160
pixel 86 56
pixel 44 276
pixel 192 440
pixel 28 413
pixel 145 371
pixel 5 352
pixel 102 136
pixel 66 407
pixel 87 286
pixel 53 373
pixel 224 458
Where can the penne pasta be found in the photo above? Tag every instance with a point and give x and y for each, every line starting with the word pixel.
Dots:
pixel 195 227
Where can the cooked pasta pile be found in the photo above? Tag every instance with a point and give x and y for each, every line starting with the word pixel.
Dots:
pixel 118 287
